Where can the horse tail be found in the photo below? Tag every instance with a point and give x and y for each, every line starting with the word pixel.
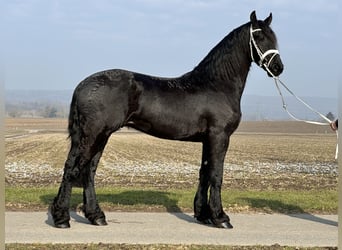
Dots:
pixel 75 136
pixel 74 119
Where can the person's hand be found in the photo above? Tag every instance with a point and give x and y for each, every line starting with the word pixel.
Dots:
pixel 333 125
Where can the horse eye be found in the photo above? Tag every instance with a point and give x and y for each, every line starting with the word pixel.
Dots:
pixel 259 36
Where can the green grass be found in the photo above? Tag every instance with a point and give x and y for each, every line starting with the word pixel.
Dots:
pixel 177 200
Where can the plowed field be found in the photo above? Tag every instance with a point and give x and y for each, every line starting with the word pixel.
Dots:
pixel 262 155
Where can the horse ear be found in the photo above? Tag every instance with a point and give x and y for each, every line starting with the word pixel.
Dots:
pixel 268 20
pixel 253 17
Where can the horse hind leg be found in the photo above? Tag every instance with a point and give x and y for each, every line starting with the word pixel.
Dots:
pixel 89 132
pixel 90 154
pixel 59 208
pixel 91 208
pixel 79 170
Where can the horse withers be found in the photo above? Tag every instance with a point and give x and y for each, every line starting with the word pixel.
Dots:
pixel 200 106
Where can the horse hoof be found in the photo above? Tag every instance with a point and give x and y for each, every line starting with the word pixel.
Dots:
pixel 207 222
pixel 100 222
pixel 63 225
pixel 204 221
pixel 226 225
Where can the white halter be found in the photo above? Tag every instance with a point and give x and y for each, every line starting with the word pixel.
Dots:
pixel 261 55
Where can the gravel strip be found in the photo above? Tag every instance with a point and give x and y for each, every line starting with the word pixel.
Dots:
pixel 21 172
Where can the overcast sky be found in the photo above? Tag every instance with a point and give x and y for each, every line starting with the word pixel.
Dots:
pixel 55 44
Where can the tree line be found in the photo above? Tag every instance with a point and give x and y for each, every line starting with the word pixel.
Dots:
pixel 35 109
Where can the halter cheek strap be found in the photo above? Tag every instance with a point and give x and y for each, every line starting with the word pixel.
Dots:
pixel 262 55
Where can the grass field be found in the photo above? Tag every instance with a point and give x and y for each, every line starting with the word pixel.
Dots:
pixel 180 200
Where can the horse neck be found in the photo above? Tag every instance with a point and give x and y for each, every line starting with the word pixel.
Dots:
pixel 228 63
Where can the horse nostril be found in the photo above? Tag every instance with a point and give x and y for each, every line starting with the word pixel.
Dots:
pixel 277 68
pixel 281 68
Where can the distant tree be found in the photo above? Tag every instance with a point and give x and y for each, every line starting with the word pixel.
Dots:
pixel 14 113
pixel 50 112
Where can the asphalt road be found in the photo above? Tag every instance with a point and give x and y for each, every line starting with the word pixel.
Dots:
pixel 176 228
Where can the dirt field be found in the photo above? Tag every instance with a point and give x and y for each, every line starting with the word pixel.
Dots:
pixel 262 155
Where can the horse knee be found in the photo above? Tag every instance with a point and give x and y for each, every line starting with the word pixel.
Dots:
pixel 75 170
pixel 73 176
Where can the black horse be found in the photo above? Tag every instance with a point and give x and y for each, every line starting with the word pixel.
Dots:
pixel 200 106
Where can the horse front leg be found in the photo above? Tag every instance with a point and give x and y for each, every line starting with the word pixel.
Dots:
pixel 201 206
pixel 218 147
pixel 211 176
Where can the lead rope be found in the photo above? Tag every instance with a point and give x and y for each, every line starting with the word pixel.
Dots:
pixel 277 80
pixel 328 121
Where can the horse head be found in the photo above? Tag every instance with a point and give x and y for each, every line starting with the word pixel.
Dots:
pixel 263 46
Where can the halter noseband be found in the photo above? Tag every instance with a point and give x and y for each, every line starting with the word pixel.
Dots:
pixel 262 56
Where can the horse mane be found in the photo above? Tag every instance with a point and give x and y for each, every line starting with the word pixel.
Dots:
pixel 228 57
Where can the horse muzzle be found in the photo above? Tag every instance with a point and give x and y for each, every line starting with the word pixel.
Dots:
pixel 275 67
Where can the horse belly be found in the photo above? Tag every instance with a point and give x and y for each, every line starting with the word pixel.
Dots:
pixel 169 120
pixel 170 129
